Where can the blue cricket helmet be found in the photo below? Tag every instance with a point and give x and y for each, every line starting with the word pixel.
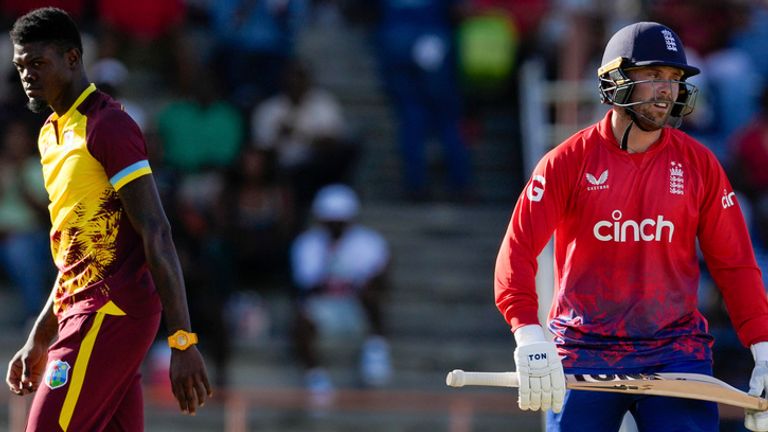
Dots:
pixel 646 44
pixel 639 45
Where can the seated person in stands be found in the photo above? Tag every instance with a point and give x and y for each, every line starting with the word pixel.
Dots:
pixel 339 267
pixel 305 126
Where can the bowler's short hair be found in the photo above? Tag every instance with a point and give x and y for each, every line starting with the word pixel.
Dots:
pixel 48 25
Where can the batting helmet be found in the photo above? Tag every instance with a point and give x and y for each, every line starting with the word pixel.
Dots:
pixel 639 45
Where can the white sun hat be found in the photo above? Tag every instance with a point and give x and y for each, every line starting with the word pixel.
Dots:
pixel 335 202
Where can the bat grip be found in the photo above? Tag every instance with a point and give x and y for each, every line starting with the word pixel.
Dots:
pixel 460 378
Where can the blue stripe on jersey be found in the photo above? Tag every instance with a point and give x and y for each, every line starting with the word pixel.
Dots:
pixel 128 170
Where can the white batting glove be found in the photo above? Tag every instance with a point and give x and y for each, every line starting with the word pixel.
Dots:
pixel 758 384
pixel 540 371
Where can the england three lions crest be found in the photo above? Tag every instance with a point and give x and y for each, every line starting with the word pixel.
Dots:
pixel 676 178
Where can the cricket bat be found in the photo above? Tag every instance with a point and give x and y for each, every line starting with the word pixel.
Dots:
pixel 681 385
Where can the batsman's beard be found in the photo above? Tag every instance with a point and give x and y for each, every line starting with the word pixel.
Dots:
pixel 642 115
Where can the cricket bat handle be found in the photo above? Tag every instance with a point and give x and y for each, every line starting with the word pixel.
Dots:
pixel 460 378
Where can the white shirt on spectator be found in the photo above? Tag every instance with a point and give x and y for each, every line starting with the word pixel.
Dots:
pixel 358 256
pixel 318 115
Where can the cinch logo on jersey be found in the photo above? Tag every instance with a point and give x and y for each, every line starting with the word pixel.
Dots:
pixel 729 199
pixel 599 182
pixel 629 230
pixel 535 190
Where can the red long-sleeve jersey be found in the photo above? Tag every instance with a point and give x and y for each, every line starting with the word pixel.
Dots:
pixel 626 267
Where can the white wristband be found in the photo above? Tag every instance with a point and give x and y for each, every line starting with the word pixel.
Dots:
pixel 529 334
pixel 759 351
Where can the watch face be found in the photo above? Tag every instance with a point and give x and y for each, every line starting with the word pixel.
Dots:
pixel 181 340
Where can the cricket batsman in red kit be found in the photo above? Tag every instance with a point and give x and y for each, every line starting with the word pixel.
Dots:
pixel 111 242
pixel 628 199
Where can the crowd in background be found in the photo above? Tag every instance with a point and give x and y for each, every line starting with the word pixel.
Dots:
pixel 245 138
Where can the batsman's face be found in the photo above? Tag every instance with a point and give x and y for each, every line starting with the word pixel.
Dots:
pixel 656 89
pixel 45 71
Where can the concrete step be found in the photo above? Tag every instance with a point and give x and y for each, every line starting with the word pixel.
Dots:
pixel 463 289
pixel 437 219
pixel 445 319
pixel 417 363
pixel 302 419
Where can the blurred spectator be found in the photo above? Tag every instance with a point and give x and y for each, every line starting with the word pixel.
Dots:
pixel 526 14
pixel 339 266
pixel 414 41
pixel 328 13
pixel 487 42
pixel 147 34
pixel 305 127
pixel 24 252
pixel 144 20
pixel 751 32
pixel 257 216
pixel 200 130
pixel 748 157
pixel 13 9
pixel 109 74
pixel 489 38
pixel 254 40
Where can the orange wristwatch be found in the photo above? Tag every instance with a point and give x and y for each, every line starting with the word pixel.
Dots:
pixel 181 340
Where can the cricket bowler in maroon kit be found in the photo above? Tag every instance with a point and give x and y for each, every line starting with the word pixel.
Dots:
pixel 111 243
